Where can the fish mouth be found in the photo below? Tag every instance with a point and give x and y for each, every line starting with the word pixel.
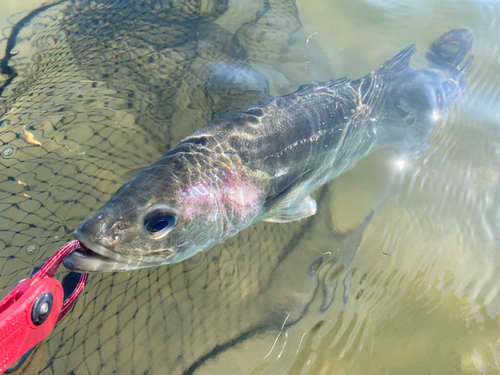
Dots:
pixel 97 258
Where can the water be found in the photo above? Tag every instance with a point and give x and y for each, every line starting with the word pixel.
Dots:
pixel 430 252
pixel 417 294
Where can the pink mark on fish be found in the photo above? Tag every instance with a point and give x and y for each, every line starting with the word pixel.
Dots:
pixel 232 194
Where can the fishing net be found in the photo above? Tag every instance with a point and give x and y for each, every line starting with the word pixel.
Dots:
pixel 92 90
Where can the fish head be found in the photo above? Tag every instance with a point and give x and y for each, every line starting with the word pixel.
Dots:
pixel 166 214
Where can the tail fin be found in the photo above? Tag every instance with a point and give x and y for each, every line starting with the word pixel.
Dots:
pixel 446 53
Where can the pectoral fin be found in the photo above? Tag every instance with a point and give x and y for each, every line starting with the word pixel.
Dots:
pixel 296 211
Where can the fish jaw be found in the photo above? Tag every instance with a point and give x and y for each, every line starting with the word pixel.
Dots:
pixel 100 258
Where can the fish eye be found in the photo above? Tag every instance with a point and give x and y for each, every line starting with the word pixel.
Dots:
pixel 158 222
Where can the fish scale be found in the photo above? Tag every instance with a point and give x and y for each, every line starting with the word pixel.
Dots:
pixel 96 123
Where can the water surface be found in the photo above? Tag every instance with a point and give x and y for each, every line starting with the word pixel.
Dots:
pixel 412 289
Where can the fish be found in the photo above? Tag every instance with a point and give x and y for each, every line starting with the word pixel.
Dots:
pixel 173 67
pixel 263 164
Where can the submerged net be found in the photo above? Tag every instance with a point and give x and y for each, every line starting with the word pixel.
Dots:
pixel 93 90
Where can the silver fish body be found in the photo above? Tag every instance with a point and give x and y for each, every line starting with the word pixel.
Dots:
pixel 263 164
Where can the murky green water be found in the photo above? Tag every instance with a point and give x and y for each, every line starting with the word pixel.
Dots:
pixel 414 292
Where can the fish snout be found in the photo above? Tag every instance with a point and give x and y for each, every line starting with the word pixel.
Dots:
pixel 106 231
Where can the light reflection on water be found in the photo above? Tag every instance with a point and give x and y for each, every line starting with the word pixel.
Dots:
pixel 430 300
pixel 421 293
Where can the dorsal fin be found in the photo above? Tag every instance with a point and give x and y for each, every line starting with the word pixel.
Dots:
pixel 399 63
